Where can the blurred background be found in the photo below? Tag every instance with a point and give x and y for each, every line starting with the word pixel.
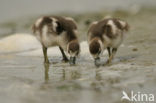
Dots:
pixel 22 8
pixel 24 78
pixel 17 15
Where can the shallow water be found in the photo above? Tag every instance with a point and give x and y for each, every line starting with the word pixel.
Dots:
pixel 25 79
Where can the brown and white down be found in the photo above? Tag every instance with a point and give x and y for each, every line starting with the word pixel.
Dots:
pixel 106 34
pixel 58 31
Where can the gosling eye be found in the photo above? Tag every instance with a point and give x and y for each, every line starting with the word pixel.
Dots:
pixel 77 53
pixel 99 51
pixel 69 51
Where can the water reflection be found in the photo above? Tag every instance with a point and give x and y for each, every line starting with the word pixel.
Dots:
pixel 46 72
pixel 60 74
pixel 63 75
pixel 69 74
pixel 98 75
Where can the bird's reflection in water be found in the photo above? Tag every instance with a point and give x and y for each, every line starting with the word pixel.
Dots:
pixel 46 72
pixel 98 75
pixel 66 74
pixel 70 74
pixel 63 75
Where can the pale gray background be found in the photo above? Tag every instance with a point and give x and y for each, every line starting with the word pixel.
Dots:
pixel 10 9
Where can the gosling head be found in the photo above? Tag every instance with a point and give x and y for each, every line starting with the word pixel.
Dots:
pixel 73 49
pixel 96 48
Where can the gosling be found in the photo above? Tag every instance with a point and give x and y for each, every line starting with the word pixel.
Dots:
pixel 58 31
pixel 106 34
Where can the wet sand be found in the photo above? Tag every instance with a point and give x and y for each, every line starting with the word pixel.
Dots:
pixel 25 79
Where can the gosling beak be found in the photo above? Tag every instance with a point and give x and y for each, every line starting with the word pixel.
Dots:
pixel 72 60
pixel 97 62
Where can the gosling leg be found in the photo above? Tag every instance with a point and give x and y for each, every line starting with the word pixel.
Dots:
pixel 114 50
pixel 65 59
pixel 45 54
pixel 109 51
